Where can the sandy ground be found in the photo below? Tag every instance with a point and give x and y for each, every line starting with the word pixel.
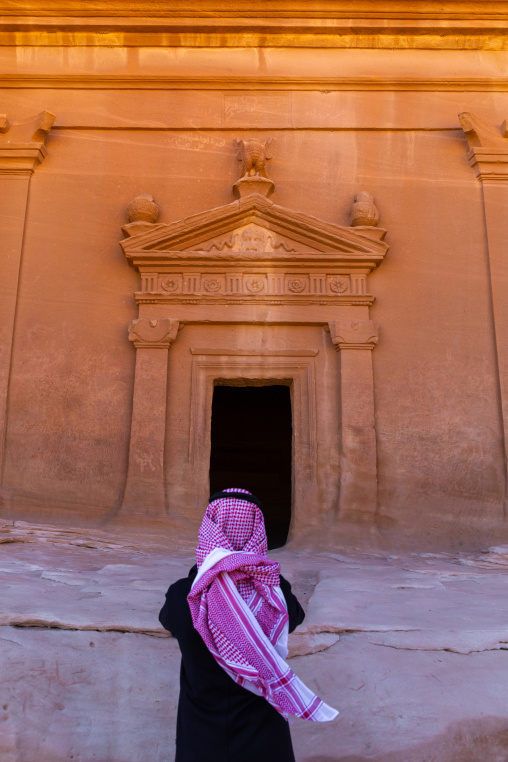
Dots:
pixel 412 649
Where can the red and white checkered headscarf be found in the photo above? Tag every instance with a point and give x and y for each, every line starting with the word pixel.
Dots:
pixel 233 524
pixel 239 610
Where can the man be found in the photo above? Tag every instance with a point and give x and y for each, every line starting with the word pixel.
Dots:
pixel 231 617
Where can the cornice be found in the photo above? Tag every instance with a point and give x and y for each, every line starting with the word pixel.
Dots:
pixel 272 261
pixel 364 33
pixel 420 24
pixel 367 300
pixel 384 9
pixel 336 83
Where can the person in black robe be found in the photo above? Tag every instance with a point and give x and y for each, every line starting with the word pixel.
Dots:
pixel 218 720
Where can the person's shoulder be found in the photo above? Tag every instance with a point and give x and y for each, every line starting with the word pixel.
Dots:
pixel 175 606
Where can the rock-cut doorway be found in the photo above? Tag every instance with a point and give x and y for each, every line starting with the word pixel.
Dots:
pixel 251 447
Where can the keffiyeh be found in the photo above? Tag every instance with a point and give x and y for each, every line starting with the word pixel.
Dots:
pixel 239 610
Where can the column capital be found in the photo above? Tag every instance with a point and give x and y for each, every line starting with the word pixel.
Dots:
pixel 156 332
pixel 353 334
pixel 488 147
pixel 22 143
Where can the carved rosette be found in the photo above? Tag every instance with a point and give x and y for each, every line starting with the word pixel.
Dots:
pixel 212 285
pixel 255 284
pixel 353 334
pixel 339 285
pixel 170 284
pixel 153 333
pixel 296 285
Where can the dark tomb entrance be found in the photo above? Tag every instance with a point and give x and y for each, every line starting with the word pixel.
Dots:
pixel 251 448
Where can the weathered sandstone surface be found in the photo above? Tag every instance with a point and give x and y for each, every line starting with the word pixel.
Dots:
pixel 410 648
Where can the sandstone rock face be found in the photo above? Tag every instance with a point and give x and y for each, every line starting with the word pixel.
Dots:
pixel 356 255
pixel 410 649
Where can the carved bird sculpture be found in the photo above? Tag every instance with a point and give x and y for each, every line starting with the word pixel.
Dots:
pixel 253 154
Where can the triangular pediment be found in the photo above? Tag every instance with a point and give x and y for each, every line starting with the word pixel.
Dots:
pixel 253 226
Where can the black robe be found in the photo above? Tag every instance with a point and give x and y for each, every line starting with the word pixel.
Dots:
pixel 218 720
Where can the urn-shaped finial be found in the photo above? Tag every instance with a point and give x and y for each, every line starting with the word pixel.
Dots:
pixel 364 211
pixel 143 209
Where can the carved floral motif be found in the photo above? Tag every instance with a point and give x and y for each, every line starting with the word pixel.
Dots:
pixel 339 285
pixel 212 285
pixel 254 284
pixel 169 284
pixel 296 285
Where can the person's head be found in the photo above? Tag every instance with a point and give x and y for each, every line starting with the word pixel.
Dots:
pixel 234 523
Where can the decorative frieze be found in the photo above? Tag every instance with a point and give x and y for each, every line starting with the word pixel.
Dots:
pixel 251 284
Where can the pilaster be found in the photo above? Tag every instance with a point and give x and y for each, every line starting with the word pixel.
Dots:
pixel 22 149
pixel 144 491
pixel 355 340
pixel 488 155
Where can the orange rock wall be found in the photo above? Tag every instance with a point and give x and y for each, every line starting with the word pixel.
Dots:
pixel 162 119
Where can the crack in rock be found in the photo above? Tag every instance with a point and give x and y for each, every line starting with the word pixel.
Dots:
pixel 42 624
pixel 448 649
